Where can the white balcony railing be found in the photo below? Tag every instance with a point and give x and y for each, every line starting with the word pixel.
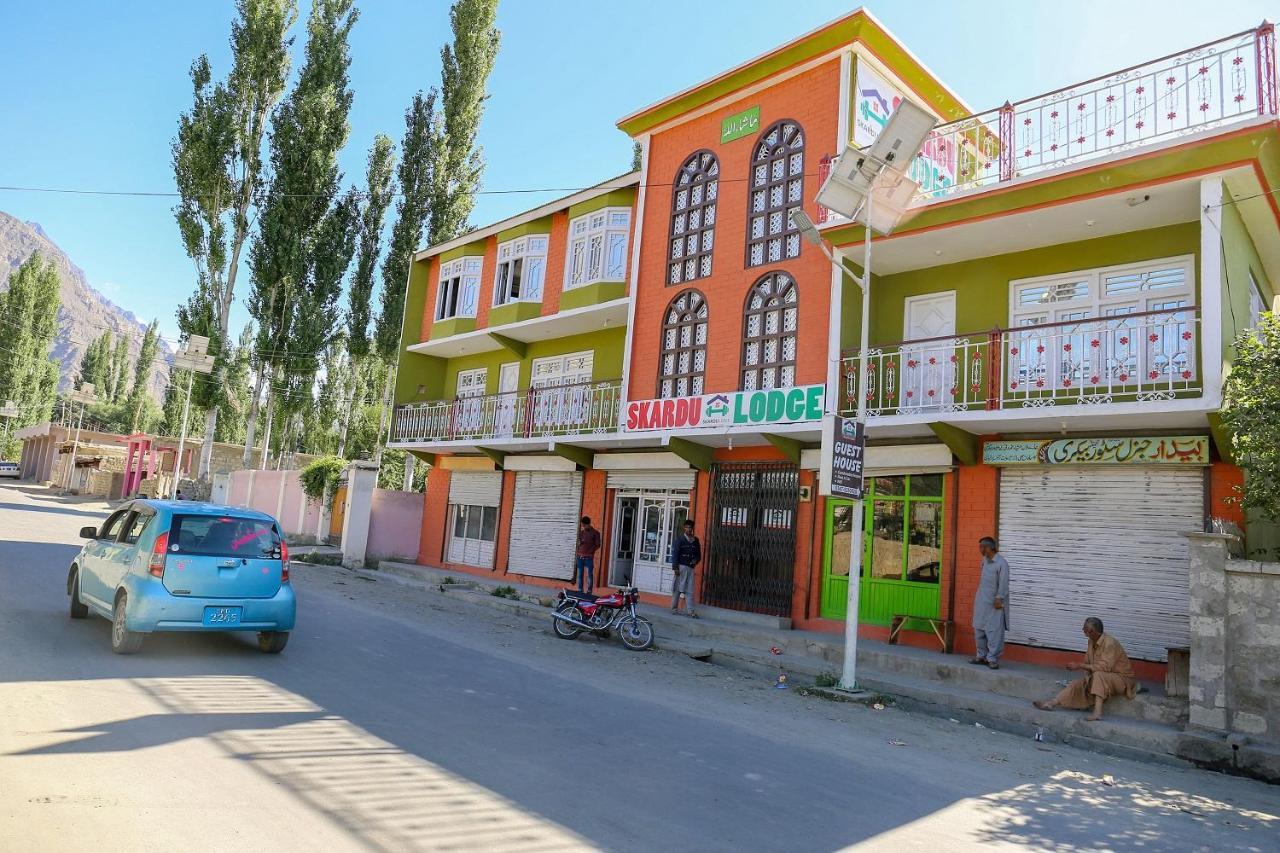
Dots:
pixel 1139 358
pixel 1214 85
pixel 563 410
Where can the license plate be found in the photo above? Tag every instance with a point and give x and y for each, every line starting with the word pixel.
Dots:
pixel 217 616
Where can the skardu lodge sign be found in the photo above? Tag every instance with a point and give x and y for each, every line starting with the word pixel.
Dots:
pixel 733 409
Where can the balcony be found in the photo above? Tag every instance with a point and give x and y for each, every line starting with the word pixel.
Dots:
pixel 568 410
pixel 1142 358
pixel 1217 85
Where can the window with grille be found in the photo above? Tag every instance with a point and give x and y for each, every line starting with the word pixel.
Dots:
pixel 459 289
pixel 777 189
pixel 693 218
pixel 772 314
pixel 597 247
pixel 683 362
pixel 521 265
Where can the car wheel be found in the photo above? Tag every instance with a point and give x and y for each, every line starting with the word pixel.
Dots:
pixel 79 610
pixel 123 641
pixel 273 642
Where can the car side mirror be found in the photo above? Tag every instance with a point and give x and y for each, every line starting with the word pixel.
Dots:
pixel 88 533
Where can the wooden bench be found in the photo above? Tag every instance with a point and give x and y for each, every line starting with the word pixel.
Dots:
pixel 943 629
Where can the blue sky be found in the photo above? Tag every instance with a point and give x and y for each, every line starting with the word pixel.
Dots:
pixel 90 92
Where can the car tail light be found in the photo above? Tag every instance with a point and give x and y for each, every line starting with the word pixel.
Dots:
pixel 159 552
pixel 284 561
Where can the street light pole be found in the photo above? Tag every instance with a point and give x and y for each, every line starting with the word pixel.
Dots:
pixel 192 357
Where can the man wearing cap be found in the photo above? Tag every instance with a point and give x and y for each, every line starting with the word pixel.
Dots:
pixel 991 605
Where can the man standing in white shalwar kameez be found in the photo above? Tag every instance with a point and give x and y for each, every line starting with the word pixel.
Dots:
pixel 991 605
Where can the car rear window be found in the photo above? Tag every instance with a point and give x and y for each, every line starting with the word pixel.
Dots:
pixel 223 536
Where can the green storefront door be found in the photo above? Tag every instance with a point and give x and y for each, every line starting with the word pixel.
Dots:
pixel 902 550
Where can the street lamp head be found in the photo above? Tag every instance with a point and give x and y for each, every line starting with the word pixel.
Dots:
pixel 805 225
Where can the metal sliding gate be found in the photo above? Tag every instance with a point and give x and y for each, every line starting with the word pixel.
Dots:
pixel 752 547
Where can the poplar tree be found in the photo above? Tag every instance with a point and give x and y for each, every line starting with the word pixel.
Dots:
pixel 217 164
pixel 95 362
pixel 119 371
pixel 138 397
pixel 303 245
pixel 28 376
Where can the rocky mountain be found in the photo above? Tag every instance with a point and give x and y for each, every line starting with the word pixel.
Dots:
pixel 85 313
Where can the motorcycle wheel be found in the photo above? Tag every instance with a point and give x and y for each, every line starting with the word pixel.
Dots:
pixel 566 630
pixel 636 633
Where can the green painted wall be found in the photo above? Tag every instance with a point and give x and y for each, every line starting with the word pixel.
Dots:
pixel 607 344
pixel 1239 257
pixel 535 226
pixel 614 198
pixel 415 369
pixel 592 294
pixel 452 326
pixel 513 312
pixel 476 247
pixel 982 285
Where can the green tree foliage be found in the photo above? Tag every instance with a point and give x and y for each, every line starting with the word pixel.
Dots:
pixel 139 396
pixel 217 163
pixel 306 233
pixel 637 156
pixel 118 371
pixel 28 376
pixel 1251 413
pixel 235 400
pixel 175 398
pixel 96 362
pixel 465 67
pixel 320 479
pixel 378 191
pixel 391 472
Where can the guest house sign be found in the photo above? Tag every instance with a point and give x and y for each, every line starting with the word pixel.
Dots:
pixel 1133 450
pixel 733 409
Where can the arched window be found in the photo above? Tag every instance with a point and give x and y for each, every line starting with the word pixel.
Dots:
pixel 772 315
pixel 777 188
pixel 684 346
pixel 693 218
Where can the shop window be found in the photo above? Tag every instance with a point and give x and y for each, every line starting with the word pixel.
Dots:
pixel 771 319
pixel 904 529
pixel 683 361
pixel 776 190
pixel 521 265
pixel 475 523
pixel 597 248
pixel 693 218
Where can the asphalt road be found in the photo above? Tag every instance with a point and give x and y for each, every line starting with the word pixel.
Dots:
pixel 395 721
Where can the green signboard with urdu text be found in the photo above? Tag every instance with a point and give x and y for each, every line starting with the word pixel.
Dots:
pixel 739 125
pixel 1135 450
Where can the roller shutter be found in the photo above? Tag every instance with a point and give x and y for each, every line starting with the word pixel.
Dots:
pixel 475 488
pixel 1100 541
pixel 544 524
pixel 640 480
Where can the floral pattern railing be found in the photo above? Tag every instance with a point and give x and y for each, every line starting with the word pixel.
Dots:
pixel 1139 358
pixel 559 410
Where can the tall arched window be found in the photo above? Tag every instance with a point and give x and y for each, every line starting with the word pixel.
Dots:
pixel 693 218
pixel 684 346
pixel 777 188
pixel 772 315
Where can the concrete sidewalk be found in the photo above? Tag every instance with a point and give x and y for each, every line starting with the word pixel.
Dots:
pixel 1150 727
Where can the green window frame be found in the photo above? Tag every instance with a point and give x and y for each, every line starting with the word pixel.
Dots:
pixel 909 505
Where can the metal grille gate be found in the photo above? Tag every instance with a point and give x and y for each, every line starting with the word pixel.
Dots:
pixel 752 548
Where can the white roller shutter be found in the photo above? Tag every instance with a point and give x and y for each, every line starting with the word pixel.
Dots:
pixel 544 524
pixel 638 480
pixel 1100 541
pixel 475 488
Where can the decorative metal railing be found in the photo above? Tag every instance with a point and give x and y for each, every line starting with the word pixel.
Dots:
pixel 1217 84
pixel 562 410
pixel 1142 357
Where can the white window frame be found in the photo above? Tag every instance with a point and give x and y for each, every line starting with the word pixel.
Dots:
pixel 458 287
pixel 597 247
pixel 553 371
pixel 528 255
pixel 471 383
pixel 1257 301
pixel 1093 301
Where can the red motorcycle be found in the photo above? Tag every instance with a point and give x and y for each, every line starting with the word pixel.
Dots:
pixel 576 612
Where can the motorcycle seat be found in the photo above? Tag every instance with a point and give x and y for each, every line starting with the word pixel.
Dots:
pixel 579 596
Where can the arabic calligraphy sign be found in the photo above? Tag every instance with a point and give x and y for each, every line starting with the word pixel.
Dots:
pixel 1136 450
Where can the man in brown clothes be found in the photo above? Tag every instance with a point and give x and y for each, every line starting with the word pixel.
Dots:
pixel 1107 673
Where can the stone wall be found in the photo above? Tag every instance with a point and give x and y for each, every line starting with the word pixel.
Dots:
pixel 1235 641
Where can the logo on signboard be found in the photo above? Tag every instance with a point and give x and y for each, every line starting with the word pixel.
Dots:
pixel 740 408
pixel 718 405
pixel 847 449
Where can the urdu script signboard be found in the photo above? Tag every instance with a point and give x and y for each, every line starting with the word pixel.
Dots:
pixel 1132 450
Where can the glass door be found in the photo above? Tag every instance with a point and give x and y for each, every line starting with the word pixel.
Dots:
pixel 622 564
pixel 660 519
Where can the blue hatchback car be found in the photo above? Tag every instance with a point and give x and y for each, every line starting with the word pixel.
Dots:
pixel 181 566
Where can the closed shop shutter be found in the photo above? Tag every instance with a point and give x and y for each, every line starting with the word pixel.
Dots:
pixel 544 524
pixel 639 480
pixel 475 488
pixel 1100 541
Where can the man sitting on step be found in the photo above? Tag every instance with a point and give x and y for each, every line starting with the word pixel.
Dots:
pixel 1106 670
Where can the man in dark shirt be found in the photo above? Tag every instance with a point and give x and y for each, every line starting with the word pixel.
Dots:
pixel 686 554
pixel 585 564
